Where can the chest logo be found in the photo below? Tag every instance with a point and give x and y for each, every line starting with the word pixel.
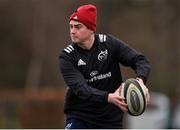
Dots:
pixel 93 73
pixel 81 62
pixel 103 55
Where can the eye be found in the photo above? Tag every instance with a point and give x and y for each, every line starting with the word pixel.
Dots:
pixel 79 26
pixel 70 26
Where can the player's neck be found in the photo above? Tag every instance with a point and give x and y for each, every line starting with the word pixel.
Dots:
pixel 88 43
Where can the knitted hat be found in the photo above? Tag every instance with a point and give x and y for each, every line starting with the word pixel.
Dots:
pixel 86 14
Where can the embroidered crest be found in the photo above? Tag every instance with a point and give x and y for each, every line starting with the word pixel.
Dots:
pixel 103 55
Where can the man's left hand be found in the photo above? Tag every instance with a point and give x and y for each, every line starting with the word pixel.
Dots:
pixel 145 89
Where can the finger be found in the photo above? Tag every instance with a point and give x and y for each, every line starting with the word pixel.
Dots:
pixel 121 98
pixel 147 95
pixel 148 98
pixel 124 109
pixel 121 86
pixel 121 103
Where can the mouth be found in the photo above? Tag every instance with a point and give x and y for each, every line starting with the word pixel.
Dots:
pixel 74 36
pixel 74 39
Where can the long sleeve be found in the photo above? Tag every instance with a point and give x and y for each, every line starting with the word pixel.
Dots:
pixel 77 83
pixel 130 57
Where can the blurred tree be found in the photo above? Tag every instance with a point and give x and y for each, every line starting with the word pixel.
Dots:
pixel 34 32
pixel 14 38
pixel 39 44
pixel 165 23
pixel 166 33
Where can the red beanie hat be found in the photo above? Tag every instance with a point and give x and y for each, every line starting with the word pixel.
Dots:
pixel 86 14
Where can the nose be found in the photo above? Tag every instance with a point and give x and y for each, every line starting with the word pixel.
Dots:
pixel 73 30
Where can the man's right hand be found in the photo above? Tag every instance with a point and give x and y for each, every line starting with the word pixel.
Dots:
pixel 118 100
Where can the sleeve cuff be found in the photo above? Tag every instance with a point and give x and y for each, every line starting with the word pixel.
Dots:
pixel 106 96
pixel 143 78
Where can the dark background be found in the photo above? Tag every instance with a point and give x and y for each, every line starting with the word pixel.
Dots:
pixel 33 33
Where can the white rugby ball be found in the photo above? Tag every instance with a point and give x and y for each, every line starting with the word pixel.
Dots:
pixel 134 97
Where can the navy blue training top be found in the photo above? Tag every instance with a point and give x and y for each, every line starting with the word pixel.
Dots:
pixel 91 74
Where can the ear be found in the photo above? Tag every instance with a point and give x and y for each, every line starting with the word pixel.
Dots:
pixel 92 32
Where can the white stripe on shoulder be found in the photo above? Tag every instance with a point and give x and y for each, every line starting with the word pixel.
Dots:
pixel 69 49
pixel 102 38
pixel 66 50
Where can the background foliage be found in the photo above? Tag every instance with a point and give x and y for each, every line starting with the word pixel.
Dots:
pixel 33 33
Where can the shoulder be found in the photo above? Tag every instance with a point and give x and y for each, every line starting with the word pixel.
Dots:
pixel 103 38
pixel 110 40
pixel 68 53
pixel 69 49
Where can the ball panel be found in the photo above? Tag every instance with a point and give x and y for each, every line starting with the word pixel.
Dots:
pixel 136 107
pixel 135 101
pixel 134 97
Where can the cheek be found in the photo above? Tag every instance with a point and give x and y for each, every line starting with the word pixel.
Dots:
pixel 81 31
pixel 84 34
pixel 80 34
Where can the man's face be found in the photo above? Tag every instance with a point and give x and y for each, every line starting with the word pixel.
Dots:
pixel 79 32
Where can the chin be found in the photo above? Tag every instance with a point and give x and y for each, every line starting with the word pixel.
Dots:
pixel 75 41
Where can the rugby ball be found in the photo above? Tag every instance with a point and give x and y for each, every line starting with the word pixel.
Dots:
pixel 134 96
